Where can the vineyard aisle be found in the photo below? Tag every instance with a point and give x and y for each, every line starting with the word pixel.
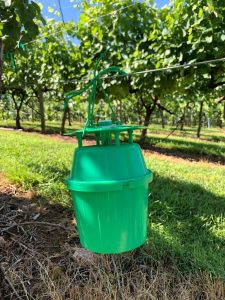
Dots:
pixel 183 257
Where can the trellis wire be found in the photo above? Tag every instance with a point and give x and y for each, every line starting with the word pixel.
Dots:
pixel 186 65
pixel 86 79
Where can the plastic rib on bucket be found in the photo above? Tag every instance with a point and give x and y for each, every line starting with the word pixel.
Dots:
pixel 109 181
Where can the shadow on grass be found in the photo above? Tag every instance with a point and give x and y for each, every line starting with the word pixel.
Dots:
pixel 175 147
pixel 213 135
pixel 46 258
pixel 187 226
pixel 49 128
pixel 186 149
pixel 214 138
pixel 186 223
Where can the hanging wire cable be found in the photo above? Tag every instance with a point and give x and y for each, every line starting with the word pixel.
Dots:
pixel 148 71
pixel 187 65
pixel 143 72
pixel 61 12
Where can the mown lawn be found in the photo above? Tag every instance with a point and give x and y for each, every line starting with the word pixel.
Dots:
pixel 186 205
pixel 211 144
pixel 213 134
pixel 207 148
pixel 52 127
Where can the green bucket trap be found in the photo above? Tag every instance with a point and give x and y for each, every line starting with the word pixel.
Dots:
pixel 108 182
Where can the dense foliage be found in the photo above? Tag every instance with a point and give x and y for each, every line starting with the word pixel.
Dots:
pixel 18 20
pixel 137 37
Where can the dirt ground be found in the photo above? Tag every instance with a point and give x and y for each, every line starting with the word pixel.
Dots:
pixel 41 258
pixel 33 233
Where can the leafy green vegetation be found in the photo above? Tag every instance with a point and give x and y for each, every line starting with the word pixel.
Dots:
pixel 186 206
pixel 177 34
pixel 17 18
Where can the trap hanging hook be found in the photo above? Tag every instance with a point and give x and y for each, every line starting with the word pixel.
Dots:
pixel 96 81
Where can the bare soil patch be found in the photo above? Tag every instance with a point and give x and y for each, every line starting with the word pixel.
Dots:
pixel 41 258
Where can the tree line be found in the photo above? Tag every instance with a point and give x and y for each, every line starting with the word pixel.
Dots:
pixel 59 57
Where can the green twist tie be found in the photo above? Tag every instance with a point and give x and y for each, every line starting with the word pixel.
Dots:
pixel 21 46
pixel 10 56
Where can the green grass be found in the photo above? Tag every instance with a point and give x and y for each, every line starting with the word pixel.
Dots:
pixel 186 205
pixel 36 162
pixel 213 134
pixel 189 145
pixel 52 127
pixel 211 145
pixel 187 214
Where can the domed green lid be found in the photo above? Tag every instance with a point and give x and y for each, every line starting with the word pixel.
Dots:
pixel 107 168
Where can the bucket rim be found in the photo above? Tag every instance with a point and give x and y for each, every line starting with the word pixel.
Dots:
pixel 108 185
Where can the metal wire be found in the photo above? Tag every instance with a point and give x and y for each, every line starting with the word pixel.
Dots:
pixel 61 12
pixel 87 79
pixel 187 65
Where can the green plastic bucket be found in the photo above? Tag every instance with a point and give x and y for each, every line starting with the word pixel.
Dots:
pixel 109 181
pixel 109 187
